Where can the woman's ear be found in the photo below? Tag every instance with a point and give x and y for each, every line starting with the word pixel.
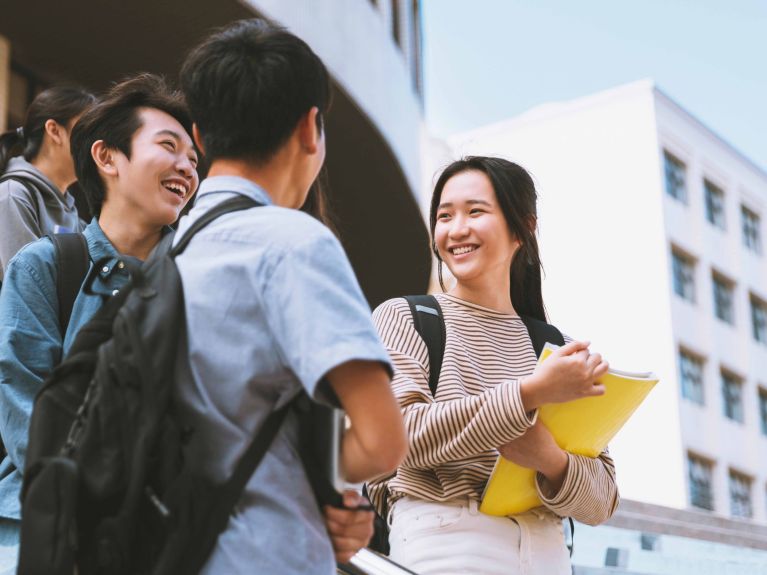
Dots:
pixel 103 157
pixel 55 131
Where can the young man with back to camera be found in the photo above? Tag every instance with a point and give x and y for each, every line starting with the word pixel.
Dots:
pixel 273 306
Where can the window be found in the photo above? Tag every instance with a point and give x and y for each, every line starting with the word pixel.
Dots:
pixel 649 542
pixel 691 377
pixel 616 557
pixel 740 495
pixel 683 268
pixel 759 319
pixel 714 204
pixel 751 235
pixel 416 50
pixel 396 24
pixel 724 306
pixel 732 396
pixel 763 409
pixel 700 476
pixel 675 178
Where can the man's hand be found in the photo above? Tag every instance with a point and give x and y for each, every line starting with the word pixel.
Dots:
pixel 350 529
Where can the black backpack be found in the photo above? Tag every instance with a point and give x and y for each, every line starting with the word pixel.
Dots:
pixel 430 325
pixel 107 487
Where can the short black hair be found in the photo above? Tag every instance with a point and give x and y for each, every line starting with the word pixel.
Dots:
pixel 248 85
pixel 115 119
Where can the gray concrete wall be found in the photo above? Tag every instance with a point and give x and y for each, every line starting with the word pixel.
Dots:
pixel 353 37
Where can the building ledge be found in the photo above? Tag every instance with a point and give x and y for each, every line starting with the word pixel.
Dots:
pixel 691 523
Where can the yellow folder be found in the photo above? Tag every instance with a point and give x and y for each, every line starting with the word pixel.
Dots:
pixel 583 427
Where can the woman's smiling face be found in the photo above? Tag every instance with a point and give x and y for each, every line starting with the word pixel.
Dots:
pixel 471 234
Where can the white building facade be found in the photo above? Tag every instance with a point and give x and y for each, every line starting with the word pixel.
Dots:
pixel 652 238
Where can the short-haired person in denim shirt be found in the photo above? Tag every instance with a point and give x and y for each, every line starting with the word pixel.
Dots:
pixel 273 306
pixel 137 164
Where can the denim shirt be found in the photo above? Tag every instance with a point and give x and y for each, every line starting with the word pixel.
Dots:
pixel 31 342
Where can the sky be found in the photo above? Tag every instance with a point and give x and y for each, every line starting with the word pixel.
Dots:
pixel 488 60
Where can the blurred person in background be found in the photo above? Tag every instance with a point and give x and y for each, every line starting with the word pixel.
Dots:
pixel 34 200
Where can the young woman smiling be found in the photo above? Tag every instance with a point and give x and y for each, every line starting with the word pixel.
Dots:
pixel 483 221
pixel 35 170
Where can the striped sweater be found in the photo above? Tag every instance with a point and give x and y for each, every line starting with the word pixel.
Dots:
pixel 454 437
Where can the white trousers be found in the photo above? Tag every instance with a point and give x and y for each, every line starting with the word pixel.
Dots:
pixel 455 538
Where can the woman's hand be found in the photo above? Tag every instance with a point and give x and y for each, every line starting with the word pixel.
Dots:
pixel 536 449
pixel 569 373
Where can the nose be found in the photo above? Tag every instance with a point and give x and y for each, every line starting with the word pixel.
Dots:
pixel 185 167
pixel 459 228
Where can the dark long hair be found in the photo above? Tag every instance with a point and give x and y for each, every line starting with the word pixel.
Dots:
pixel 515 191
pixel 60 104
pixel 318 204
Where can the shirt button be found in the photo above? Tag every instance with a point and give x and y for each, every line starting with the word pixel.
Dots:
pixel 120 265
pixel 115 291
pixel 105 269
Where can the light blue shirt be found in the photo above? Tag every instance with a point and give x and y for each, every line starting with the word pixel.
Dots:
pixel 31 342
pixel 272 305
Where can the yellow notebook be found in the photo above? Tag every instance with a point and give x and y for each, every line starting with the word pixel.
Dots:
pixel 583 426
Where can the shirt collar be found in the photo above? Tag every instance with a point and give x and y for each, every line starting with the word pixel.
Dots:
pixel 211 187
pixel 99 246
pixel 69 200
pixel 104 254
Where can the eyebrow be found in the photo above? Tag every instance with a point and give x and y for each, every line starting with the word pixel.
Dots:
pixel 167 132
pixel 470 202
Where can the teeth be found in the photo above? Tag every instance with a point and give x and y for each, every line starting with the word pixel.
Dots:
pixel 176 188
pixel 463 250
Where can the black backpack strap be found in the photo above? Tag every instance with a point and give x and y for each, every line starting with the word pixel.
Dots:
pixel 541 333
pixel 235 204
pixel 72 262
pixel 249 461
pixel 430 325
pixel 234 487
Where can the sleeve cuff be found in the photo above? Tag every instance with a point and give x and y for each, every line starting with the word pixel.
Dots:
pixel 566 491
pixel 527 417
